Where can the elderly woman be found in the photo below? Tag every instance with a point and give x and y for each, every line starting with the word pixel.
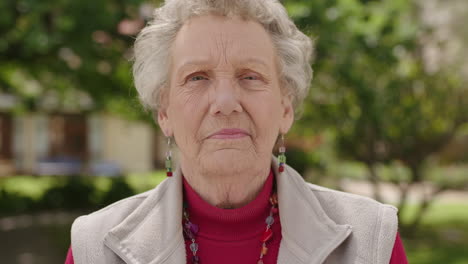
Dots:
pixel 224 78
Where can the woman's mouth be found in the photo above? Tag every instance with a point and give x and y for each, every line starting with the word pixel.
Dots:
pixel 229 133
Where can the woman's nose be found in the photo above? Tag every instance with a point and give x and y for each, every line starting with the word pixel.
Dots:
pixel 225 98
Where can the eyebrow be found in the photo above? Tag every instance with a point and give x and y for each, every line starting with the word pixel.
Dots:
pixel 192 63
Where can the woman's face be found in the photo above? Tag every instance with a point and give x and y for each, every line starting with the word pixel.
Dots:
pixel 224 104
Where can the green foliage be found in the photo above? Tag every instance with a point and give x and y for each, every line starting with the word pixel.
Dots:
pixel 301 161
pixel 373 89
pixel 370 84
pixel 65 48
pixel 119 190
pixel 13 203
pixel 73 193
pixel 69 192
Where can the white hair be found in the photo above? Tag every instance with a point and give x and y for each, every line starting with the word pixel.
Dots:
pixel 153 44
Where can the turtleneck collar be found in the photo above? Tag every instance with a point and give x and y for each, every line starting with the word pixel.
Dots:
pixel 229 224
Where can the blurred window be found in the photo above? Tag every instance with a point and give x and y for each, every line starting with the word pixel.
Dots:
pixel 68 136
pixel 5 137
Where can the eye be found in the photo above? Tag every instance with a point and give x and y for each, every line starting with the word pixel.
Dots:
pixel 250 77
pixel 197 78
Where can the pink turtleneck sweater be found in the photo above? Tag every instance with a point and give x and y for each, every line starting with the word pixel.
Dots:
pixel 231 236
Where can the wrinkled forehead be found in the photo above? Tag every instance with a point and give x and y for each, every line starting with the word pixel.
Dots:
pixel 228 41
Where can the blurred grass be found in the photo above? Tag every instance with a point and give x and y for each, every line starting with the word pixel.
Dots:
pixel 25 194
pixel 35 186
pixel 442 236
pixel 30 186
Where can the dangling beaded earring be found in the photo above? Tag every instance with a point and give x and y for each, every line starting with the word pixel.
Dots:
pixel 169 158
pixel 282 156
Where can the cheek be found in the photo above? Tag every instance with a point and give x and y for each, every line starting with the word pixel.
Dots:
pixel 187 114
pixel 265 113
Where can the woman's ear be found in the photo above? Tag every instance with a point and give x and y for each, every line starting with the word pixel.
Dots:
pixel 163 121
pixel 287 117
pixel 161 115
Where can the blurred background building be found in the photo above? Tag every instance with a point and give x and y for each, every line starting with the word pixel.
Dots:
pixel 74 143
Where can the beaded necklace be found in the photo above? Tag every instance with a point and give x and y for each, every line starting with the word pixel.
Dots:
pixel 191 230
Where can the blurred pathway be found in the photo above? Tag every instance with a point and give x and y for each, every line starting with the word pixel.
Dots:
pixel 390 193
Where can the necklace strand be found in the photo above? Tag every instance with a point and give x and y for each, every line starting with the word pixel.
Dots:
pixel 191 230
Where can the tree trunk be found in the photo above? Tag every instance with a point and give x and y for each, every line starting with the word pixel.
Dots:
pixel 425 204
pixel 404 187
pixel 375 181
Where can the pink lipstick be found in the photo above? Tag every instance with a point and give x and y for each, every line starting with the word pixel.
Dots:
pixel 229 133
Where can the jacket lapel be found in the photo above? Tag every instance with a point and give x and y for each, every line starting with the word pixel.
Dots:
pixel 308 234
pixel 153 232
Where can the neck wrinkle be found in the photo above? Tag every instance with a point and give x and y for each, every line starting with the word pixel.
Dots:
pixel 229 224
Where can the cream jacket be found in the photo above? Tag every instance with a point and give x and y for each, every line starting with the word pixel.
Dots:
pixel 319 225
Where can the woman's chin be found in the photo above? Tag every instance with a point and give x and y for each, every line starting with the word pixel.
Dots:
pixel 230 159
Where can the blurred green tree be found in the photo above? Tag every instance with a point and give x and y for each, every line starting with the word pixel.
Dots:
pixel 372 87
pixel 66 48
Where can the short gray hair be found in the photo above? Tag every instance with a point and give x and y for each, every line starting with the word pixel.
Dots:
pixel 153 44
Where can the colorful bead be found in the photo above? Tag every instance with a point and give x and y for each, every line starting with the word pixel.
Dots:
pixel 282 158
pixel 168 164
pixel 269 220
pixel 194 247
pixel 195 259
pixel 260 261
pixel 190 229
pixel 193 228
pixel 264 250
pixel 266 235
pixel 274 199
pixel 274 210
pixel 189 234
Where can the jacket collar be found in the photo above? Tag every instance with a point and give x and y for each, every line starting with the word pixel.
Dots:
pixel 308 234
pixel 152 233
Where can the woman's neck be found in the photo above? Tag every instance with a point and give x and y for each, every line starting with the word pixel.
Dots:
pixel 230 188
pixel 243 222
